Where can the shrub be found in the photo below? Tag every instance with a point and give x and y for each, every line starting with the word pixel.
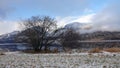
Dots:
pixel 55 50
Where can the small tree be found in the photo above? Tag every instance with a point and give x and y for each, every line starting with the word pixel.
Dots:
pixel 38 31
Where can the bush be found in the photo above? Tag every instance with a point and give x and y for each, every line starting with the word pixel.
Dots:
pixel 55 50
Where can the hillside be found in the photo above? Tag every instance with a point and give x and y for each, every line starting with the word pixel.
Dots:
pixel 101 35
pixel 9 37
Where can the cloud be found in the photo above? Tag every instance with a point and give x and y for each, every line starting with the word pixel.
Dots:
pixel 63 21
pixel 82 19
pixel 8 26
pixel 6 7
pixel 108 18
pixel 66 11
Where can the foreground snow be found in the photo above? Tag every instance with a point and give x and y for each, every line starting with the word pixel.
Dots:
pixel 63 60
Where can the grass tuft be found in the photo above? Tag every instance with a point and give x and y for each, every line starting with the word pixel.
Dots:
pixel 95 50
pixel 1 53
pixel 112 49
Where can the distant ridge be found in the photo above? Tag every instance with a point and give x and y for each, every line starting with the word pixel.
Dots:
pixel 9 37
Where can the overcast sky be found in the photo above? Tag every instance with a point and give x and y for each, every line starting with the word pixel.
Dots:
pixel 102 14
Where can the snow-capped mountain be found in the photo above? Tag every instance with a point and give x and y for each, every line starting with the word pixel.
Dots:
pixel 80 27
pixel 75 25
pixel 9 37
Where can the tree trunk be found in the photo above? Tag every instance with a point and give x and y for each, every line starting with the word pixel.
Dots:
pixel 36 49
pixel 41 47
pixel 45 48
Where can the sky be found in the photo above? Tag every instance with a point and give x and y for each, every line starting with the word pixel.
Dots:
pixel 97 14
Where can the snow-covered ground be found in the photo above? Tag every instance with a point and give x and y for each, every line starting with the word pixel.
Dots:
pixel 61 60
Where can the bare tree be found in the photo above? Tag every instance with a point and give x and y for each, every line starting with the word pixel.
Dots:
pixel 39 31
pixel 70 38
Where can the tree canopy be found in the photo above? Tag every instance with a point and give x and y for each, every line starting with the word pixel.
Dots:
pixel 38 31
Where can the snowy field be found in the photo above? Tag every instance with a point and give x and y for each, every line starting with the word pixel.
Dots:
pixel 62 60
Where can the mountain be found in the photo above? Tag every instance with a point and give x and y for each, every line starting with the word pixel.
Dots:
pixel 75 25
pixel 80 27
pixel 101 35
pixel 9 37
pixel 87 32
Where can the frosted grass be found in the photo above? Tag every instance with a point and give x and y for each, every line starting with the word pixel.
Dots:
pixel 63 60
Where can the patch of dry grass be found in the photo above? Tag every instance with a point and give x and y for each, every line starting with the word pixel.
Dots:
pixel 114 49
pixel 95 50
pixel 55 50
pixel 41 51
pixel 1 53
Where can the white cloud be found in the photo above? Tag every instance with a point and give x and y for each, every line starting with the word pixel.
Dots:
pixel 63 21
pixel 108 18
pixel 85 18
pixel 70 19
pixel 105 20
pixel 8 26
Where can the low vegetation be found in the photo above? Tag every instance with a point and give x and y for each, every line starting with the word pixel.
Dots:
pixel 114 49
pixel 41 51
pixel 1 53
pixel 63 60
pixel 98 50
pixel 95 50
